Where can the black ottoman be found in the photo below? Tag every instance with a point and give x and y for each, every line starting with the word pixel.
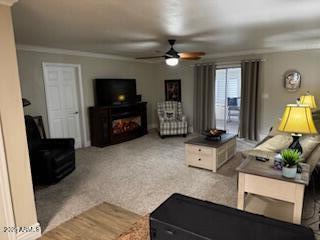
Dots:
pixel 184 218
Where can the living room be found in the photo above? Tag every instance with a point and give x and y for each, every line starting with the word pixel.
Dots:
pixel 236 73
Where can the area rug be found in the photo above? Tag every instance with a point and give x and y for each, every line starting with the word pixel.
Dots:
pixel 104 221
pixel 139 231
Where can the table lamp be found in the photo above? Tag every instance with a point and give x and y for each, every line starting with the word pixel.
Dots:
pixel 297 120
pixel 309 100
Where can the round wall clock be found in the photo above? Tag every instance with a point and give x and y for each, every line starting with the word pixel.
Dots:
pixel 292 80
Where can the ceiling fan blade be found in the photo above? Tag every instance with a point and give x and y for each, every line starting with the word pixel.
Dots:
pixel 150 57
pixel 190 58
pixel 191 54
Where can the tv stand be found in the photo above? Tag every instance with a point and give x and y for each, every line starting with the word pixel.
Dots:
pixel 117 123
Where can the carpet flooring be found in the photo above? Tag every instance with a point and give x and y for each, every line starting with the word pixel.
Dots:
pixel 137 175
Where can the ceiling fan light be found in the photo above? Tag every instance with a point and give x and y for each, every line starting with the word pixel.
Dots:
pixel 172 61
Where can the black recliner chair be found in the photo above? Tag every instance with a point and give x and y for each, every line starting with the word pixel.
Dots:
pixel 51 159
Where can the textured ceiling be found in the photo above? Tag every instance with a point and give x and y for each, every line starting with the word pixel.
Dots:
pixel 141 27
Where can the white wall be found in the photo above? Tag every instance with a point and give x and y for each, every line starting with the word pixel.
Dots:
pixel 13 128
pixel 150 80
pixel 31 77
pixel 273 95
pixel 306 62
pixel 183 71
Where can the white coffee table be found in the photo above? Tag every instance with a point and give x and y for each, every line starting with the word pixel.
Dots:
pixel 208 154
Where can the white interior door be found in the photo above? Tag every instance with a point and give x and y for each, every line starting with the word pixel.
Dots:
pixel 62 102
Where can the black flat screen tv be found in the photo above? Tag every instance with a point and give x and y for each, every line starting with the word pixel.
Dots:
pixel 115 91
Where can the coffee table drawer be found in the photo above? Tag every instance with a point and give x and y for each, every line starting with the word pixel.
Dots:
pixel 194 149
pixel 200 160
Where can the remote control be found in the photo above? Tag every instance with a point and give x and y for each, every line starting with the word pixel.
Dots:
pixel 262 159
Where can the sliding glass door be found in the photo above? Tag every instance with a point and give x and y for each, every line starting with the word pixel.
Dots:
pixel 227 96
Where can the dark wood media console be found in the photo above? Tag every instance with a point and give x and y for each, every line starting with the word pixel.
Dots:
pixel 117 123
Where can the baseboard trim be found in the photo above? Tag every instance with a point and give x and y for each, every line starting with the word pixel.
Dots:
pixel 30 235
pixel 87 144
pixel 152 126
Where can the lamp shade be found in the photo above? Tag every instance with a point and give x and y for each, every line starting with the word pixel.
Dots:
pixel 308 100
pixel 297 119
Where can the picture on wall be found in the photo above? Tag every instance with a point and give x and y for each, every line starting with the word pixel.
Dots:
pixel 292 80
pixel 173 90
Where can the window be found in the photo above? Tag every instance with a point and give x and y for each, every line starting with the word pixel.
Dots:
pixel 228 86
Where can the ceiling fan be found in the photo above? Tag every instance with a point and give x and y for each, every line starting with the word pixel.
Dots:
pixel 172 56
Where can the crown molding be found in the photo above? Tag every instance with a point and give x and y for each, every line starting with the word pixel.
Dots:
pixel 8 2
pixel 32 48
pixel 261 51
pixel 59 51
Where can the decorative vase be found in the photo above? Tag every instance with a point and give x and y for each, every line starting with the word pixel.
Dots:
pixel 289 172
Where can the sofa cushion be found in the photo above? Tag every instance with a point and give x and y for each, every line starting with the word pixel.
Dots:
pixel 308 144
pixel 258 153
pixel 314 158
pixel 61 157
pixel 275 144
pixel 316 119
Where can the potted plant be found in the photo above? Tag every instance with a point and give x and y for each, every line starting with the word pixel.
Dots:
pixel 290 161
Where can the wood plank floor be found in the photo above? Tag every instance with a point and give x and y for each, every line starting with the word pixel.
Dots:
pixel 103 222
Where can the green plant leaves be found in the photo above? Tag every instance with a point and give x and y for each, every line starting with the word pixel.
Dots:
pixel 290 157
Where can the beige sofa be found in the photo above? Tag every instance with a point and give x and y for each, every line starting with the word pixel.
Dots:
pixel 277 141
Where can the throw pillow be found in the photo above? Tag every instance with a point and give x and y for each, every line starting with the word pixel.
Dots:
pixel 275 144
pixel 169 115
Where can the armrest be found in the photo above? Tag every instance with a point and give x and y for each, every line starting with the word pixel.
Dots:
pixel 161 119
pixel 182 118
pixel 57 143
pixel 314 158
pixel 161 116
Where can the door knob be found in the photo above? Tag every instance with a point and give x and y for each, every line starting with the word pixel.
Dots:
pixel 76 112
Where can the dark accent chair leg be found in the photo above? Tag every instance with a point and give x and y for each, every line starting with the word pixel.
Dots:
pixel 184 135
